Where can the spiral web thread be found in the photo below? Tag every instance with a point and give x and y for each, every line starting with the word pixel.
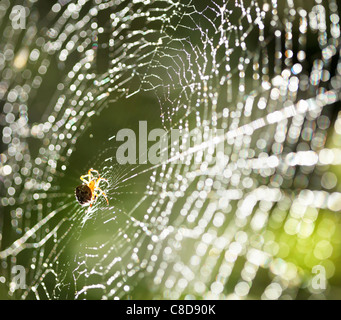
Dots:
pixel 249 222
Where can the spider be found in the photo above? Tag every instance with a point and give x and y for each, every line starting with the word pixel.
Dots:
pixel 88 192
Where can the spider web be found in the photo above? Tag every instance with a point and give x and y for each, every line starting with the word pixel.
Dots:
pixel 250 221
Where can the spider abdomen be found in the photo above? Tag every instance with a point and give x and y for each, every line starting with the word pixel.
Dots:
pixel 83 194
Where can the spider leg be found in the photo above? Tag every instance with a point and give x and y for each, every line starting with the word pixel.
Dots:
pixel 93 170
pixel 103 194
pixel 98 182
pixel 83 178
pixel 93 198
pixel 100 179
pixel 88 176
